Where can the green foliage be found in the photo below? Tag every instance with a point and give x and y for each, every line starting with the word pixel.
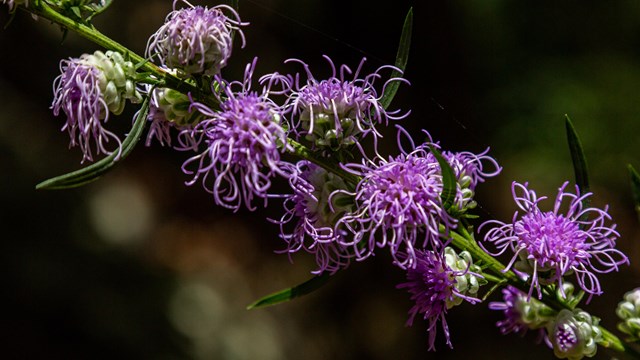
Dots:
pixel 94 171
pixel 635 188
pixel 402 58
pixel 291 293
pixel 449 183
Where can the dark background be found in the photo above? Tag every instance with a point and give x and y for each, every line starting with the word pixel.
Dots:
pixel 137 265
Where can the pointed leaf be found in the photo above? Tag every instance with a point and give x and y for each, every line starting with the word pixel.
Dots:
pixel 291 293
pixel 635 188
pixel 401 60
pixel 579 161
pixel 577 156
pixel 94 171
pixel 449 183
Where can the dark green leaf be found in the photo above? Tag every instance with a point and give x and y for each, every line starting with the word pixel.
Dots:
pixel 449 183
pixel 579 160
pixel 291 293
pixel 401 60
pixel 94 171
pixel 635 188
pixel 577 156
pixel 76 12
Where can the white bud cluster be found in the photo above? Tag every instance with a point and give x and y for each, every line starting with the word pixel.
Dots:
pixel 116 79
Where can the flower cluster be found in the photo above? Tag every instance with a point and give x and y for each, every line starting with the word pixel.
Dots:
pixel 346 202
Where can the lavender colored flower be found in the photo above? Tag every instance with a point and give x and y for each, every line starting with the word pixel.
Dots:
pixel 549 245
pixel 437 283
pixel 398 202
pixel 574 334
pixel 470 170
pixel 314 212
pixel 196 40
pixel 521 313
pixel 335 112
pixel 89 88
pixel 243 144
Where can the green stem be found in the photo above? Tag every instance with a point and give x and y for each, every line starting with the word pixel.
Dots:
pixel 42 9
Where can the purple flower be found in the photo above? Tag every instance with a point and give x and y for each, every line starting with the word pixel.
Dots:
pixel 397 204
pixel 196 40
pixel 243 144
pixel 87 90
pixel 335 112
pixel 314 212
pixel 550 245
pixel 437 283
pixel 521 313
pixel 574 334
pixel 470 168
pixel 398 201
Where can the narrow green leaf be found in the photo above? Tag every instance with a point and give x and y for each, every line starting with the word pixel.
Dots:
pixel 76 12
pixel 401 60
pixel 635 188
pixel 579 161
pixel 449 183
pixel 577 156
pixel 94 171
pixel 291 293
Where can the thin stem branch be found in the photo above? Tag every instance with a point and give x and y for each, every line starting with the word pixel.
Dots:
pixel 42 9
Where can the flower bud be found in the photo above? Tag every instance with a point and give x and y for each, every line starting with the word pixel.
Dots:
pixel 629 312
pixel 574 334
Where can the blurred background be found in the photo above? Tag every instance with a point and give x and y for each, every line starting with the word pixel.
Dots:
pixel 137 265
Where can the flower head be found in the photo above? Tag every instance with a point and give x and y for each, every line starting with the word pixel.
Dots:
pixel 521 313
pixel 335 112
pixel 549 245
pixel 399 201
pixel 87 90
pixel 470 169
pixel 314 212
pixel 196 40
pixel 243 144
pixel 628 311
pixel 170 109
pixel 437 283
pixel 574 334
pixel 398 204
